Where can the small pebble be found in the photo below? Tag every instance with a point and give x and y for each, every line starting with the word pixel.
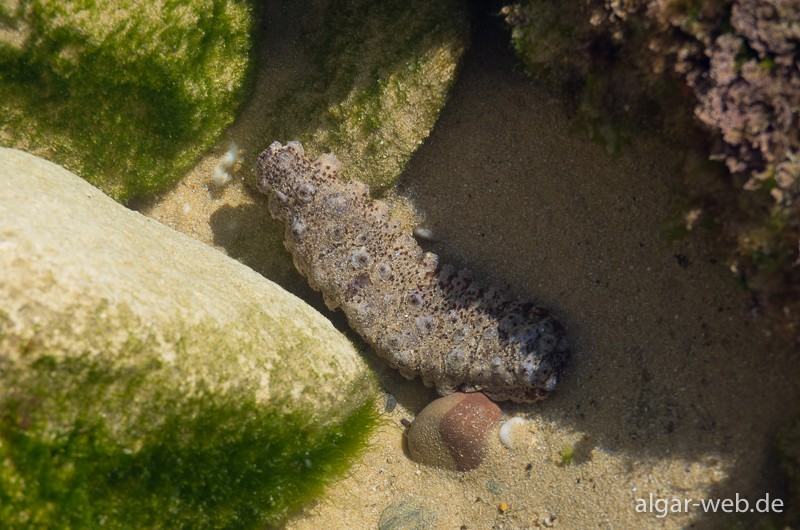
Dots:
pixel 452 432
pixel 405 515
pixel 391 403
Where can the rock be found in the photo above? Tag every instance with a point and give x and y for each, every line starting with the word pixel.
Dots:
pixel 126 93
pixel 146 380
pixel 365 80
pixel 452 432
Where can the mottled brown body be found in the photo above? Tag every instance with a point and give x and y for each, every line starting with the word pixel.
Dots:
pixel 425 319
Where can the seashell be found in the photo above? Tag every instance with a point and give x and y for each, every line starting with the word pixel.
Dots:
pixel 506 430
pixel 423 233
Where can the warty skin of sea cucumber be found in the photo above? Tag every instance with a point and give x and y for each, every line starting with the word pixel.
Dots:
pixel 426 319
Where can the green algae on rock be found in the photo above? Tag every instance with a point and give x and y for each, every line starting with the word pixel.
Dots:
pixel 367 81
pixel 148 381
pixel 125 93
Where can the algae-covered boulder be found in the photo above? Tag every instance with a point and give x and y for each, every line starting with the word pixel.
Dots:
pixel 146 380
pixel 384 89
pixel 126 93
pixel 364 80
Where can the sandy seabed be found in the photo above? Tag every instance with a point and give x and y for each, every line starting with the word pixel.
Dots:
pixel 675 390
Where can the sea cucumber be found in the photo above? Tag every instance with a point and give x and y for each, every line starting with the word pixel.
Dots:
pixel 424 318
